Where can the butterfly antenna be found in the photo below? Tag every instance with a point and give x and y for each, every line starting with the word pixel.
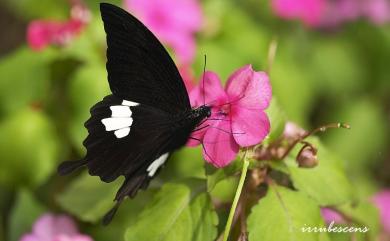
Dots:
pixel 204 71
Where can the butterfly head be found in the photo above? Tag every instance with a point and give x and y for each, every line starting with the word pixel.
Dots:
pixel 200 113
pixel 205 111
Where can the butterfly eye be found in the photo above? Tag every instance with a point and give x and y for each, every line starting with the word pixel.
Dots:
pixel 208 112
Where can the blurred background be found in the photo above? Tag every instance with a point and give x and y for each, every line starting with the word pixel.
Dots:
pixel 332 65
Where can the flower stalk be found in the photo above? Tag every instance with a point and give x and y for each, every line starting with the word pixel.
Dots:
pixel 236 197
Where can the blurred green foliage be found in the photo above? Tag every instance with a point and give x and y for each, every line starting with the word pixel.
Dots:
pixel 302 211
pixel 317 77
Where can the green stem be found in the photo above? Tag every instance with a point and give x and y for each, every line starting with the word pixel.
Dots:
pixel 236 198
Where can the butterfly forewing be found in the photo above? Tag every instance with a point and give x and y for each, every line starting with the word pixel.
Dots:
pixel 138 66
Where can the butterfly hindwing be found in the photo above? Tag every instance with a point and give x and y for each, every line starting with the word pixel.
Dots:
pixel 125 137
pixel 138 66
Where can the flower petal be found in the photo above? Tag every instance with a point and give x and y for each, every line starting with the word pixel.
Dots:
pixel 211 89
pixel 48 225
pixel 78 237
pixel 174 22
pixel 187 76
pixel 38 34
pixel 30 237
pixel 184 47
pixel 219 146
pixel 65 225
pixel 329 215
pixel 41 33
pixel 382 201
pixel 250 126
pixel 250 89
pixel 378 11
pixel 198 134
pixel 308 11
pixel 44 226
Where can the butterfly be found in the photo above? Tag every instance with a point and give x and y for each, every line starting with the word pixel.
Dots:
pixel 133 131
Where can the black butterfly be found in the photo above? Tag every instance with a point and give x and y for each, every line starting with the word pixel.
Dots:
pixel 148 116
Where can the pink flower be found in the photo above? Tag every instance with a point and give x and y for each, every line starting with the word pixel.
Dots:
pixel 238 117
pixel 292 131
pixel 308 11
pixel 377 11
pixel 41 33
pixel 188 77
pixel 331 13
pixel 173 21
pixel 338 12
pixel 54 228
pixel 329 216
pixel 382 201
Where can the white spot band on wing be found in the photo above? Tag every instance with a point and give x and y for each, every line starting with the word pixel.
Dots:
pixel 122 132
pixel 152 168
pixel 129 103
pixel 120 111
pixel 120 120
pixel 117 123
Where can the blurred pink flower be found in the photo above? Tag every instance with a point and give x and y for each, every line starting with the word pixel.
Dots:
pixel 308 11
pixel 41 33
pixel 238 117
pixel 188 77
pixel 173 21
pixel 330 215
pixel 382 201
pixel 338 12
pixel 377 11
pixel 332 13
pixel 54 228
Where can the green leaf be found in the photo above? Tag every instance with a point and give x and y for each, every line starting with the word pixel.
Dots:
pixel 29 9
pixel 296 99
pixel 225 189
pixel 23 215
pixel 327 183
pixel 126 216
pixel 179 211
pixel 88 86
pixel 277 119
pixel 219 51
pixel 364 214
pixel 20 88
pixel 184 163
pixel 215 175
pixel 89 46
pixel 88 198
pixel 29 147
pixel 94 4
pixel 340 236
pixel 281 215
pixel 363 144
pixel 248 47
pixel 337 67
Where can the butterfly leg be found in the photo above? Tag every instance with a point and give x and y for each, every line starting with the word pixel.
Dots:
pixel 228 132
pixel 201 128
pixel 203 147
